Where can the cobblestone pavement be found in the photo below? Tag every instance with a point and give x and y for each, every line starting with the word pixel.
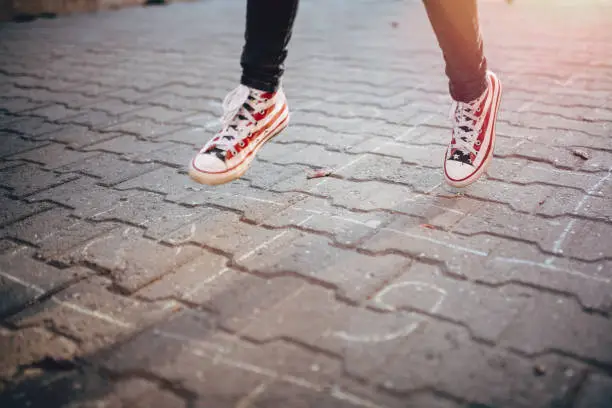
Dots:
pixel 124 284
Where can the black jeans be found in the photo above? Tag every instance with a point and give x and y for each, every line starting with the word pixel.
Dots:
pixel 455 23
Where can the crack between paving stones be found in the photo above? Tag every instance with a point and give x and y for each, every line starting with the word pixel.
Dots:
pixel 574 390
pixel 606 367
pixel 175 387
pixel 429 389
pixel 41 297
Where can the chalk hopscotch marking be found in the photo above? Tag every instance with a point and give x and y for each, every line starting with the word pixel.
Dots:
pixel 403 332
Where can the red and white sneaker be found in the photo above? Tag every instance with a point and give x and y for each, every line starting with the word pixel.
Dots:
pixel 250 119
pixel 471 148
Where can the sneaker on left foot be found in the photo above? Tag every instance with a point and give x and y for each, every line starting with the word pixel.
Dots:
pixel 471 148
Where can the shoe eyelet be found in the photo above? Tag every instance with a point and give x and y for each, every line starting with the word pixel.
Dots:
pixel 241 144
pixel 477 143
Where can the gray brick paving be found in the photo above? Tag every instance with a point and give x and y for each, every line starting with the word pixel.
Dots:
pixel 125 284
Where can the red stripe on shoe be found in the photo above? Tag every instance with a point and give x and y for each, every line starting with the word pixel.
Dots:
pixel 263 140
pixel 492 111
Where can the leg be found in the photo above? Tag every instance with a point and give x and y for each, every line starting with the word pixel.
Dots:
pixel 455 23
pixel 255 111
pixel 268 31
pixel 476 90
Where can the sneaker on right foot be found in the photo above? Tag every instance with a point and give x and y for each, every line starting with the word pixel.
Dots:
pixel 473 137
pixel 251 118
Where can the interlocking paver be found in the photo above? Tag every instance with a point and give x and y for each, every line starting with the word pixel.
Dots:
pixel 596 392
pixel 12 145
pixel 53 155
pixel 78 137
pixel 13 209
pixel 25 179
pixel 109 168
pixel 125 283
pixel 31 127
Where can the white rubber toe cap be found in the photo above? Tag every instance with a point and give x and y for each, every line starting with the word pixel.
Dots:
pixel 458 173
pixel 208 163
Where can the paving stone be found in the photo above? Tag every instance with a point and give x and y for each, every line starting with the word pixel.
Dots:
pixel 161 114
pixel 310 155
pixel 13 144
pixel 28 179
pixel 204 120
pixel 461 255
pixel 520 198
pixel 573 244
pixel 370 168
pixel 316 305
pixel 146 210
pixel 366 344
pixel 558 156
pixel 41 226
pixel 137 393
pixel 114 107
pixel 167 357
pixel 179 103
pixel 576 202
pixel 54 112
pixel 130 147
pixel 19 105
pixel 191 135
pixel 422 155
pixel 366 196
pixel 525 264
pixel 31 127
pixel 132 261
pixel 129 94
pixel 347 228
pixel 364 111
pixel 53 155
pixel 319 136
pixel 493 220
pixel 428 135
pixel 267 175
pixel 29 345
pixel 536 330
pixel 70 312
pixel 95 120
pixel 83 195
pixel 596 392
pixel 186 282
pixel 506 169
pixel 254 205
pixel 173 154
pixel 223 231
pixel 312 257
pixel 55 232
pixel 25 279
pixel 144 128
pixel 346 125
pixel 162 180
pixel 109 168
pixel 486 311
pixel 13 210
pixel 544 173
pixel 78 137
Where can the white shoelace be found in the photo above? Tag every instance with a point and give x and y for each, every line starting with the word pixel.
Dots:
pixel 234 121
pixel 467 124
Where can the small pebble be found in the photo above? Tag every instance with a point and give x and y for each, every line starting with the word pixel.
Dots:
pixel 582 154
pixel 539 370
